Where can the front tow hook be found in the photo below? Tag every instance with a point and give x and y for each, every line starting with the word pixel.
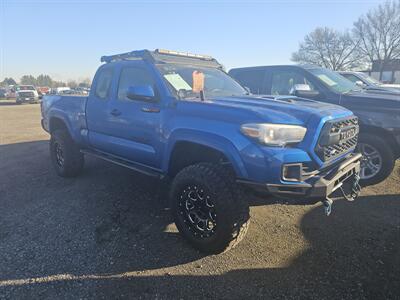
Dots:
pixel 355 190
pixel 327 203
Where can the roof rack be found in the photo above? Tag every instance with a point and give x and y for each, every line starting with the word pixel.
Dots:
pixel 162 55
pixel 187 54
pixel 128 55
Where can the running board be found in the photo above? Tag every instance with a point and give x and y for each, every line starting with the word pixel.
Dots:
pixel 124 163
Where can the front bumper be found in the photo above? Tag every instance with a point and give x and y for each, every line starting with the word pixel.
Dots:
pixel 317 187
pixel 27 99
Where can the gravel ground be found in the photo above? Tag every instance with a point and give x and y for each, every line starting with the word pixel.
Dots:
pixel 107 235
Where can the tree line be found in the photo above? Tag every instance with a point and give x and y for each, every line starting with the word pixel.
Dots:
pixel 45 80
pixel 374 37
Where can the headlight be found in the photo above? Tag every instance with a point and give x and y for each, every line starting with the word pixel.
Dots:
pixel 275 134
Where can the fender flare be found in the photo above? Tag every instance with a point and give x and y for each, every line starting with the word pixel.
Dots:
pixel 58 114
pixel 207 139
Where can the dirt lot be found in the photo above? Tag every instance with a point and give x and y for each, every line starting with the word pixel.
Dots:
pixel 107 235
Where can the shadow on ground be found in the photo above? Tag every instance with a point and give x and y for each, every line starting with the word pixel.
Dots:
pixel 7 102
pixel 99 235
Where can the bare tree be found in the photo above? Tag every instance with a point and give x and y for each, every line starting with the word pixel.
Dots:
pixel 328 48
pixel 378 33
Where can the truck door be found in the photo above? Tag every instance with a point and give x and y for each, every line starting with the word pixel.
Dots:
pixel 134 124
pixel 97 109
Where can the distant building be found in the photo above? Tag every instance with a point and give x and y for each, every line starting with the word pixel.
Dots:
pixel 390 74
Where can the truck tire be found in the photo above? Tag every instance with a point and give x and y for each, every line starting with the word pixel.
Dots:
pixel 65 155
pixel 209 207
pixel 378 159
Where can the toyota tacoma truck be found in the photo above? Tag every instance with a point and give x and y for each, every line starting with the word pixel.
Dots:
pixel 180 118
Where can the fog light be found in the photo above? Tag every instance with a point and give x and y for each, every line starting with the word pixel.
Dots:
pixel 292 172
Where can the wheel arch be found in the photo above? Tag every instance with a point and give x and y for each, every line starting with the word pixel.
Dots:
pixel 56 123
pixel 207 148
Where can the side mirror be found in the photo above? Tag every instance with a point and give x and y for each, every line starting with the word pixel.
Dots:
pixel 304 91
pixel 360 83
pixel 141 92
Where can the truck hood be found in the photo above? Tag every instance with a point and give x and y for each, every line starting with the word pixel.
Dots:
pixel 25 91
pixel 372 100
pixel 285 110
pixel 391 85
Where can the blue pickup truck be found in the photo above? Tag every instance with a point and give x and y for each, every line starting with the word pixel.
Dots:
pixel 179 117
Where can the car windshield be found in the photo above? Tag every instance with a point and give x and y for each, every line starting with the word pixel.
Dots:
pixel 334 81
pixel 215 83
pixel 26 88
pixel 369 79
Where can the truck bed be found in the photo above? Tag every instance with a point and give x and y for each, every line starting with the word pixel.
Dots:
pixel 72 109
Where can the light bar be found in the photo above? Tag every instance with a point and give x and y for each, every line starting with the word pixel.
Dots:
pixel 178 53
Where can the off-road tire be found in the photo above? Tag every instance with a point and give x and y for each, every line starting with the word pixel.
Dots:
pixel 388 161
pixel 232 210
pixel 73 160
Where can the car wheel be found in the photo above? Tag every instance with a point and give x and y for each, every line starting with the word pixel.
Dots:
pixel 378 159
pixel 65 155
pixel 209 207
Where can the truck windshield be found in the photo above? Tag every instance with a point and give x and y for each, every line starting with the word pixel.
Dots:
pixel 25 88
pixel 215 82
pixel 334 81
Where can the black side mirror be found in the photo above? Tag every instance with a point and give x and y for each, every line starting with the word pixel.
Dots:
pixel 141 92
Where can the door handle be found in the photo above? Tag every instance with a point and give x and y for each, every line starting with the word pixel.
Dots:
pixel 150 109
pixel 115 112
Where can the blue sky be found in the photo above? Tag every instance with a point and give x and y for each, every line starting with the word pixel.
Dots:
pixel 65 39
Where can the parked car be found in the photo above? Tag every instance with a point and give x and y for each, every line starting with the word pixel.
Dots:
pixel 3 93
pixel 10 93
pixel 179 116
pixel 43 90
pixel 81 91
pixel 379 114
pixel 61 90
pixel 26 94
pixel 369 83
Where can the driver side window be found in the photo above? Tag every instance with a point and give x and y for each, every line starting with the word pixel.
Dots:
pixel 133 76
pixel 283 82
pixel 352 78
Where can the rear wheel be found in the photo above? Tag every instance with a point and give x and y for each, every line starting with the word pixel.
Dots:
pixel 65 154
pixel 209 208
pixel 378 159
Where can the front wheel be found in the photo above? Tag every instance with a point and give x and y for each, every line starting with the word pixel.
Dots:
pixel 209 208
pixel 378 159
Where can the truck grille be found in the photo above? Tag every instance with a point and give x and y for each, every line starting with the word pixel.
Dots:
pixel 26 94
pixel 337 137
